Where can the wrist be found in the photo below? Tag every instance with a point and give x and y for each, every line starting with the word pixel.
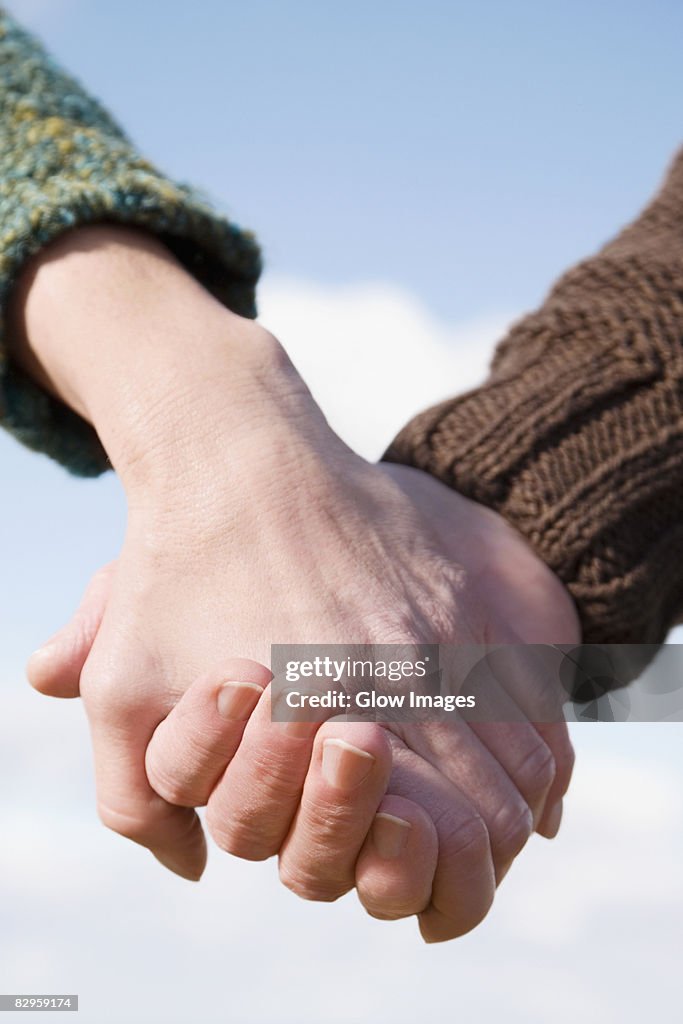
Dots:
pixel 109 322
pixel 237 412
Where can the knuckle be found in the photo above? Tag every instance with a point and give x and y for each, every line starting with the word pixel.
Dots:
pixel 384 914
pixel 437 610
pixel 242 836
pixel 457 920
pixel 463 837
pixel 329 827
pixel 109 692
pixel 279 779
pixel 510 830
pixel 391 626
pixel 182 778
pixel 441 928
pixel 169 785
pixel 304 883
pixel 536 772
pixel 432 614
pixel 392 906
pixel 130 826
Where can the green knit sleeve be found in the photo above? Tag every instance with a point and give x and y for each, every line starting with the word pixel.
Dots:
pixel 63 163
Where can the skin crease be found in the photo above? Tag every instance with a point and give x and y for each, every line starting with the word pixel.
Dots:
pixel 339 550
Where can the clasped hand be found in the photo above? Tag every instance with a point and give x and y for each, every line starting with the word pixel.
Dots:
pixel 250 523
pixel 317 546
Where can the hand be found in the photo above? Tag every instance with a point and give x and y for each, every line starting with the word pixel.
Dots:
pixel 250 522
pixel 530 597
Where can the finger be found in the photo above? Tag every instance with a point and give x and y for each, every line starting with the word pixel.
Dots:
pixel 252 806
pixel 464 882
pixel 524 756
pixel 193 745
pixel 395 869
pixel 528 677
pixel 55 668
pixel 532 675
pixel 347 778
pixel 457 754
pixel 549 826
pixel 127 804
pixel 557 738
pixel 520 683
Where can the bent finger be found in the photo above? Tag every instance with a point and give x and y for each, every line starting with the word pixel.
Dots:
pixel 55 668
pixel 556 735
pixel 251 808
pixel 395 869
pixel 523 686
pixel 126 802
pixel 347 778
pixel 524 756
pixel 458 755
pixel 465 881
pixel 193 745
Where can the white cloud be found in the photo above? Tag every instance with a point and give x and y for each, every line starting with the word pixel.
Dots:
pixel 86 911
pixel 373 355
pixel 619 848
pixel 627 795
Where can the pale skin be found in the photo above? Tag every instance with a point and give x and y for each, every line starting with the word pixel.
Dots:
pixel 250 522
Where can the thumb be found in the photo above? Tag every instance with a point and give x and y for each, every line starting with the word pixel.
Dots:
pixel 55 668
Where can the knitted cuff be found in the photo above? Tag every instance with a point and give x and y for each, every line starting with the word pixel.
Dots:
pixel 577 435
pixel 65 163
pixel 223 258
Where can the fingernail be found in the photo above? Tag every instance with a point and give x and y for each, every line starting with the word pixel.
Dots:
pixel 552 821
pixel 345 766
pixel 236 700
pixel 390 835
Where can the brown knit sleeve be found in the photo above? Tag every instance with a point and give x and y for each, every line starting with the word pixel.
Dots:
pixel 577 435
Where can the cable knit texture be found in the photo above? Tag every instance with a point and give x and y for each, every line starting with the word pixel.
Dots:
pixel 63 163
pixel 577 435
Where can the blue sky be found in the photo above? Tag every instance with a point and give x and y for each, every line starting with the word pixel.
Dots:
pixel 418 174
pixel 466 151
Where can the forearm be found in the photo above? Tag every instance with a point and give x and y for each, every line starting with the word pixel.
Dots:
pixel 577 436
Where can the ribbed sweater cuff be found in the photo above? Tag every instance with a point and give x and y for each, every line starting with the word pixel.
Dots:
pixel 577 435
